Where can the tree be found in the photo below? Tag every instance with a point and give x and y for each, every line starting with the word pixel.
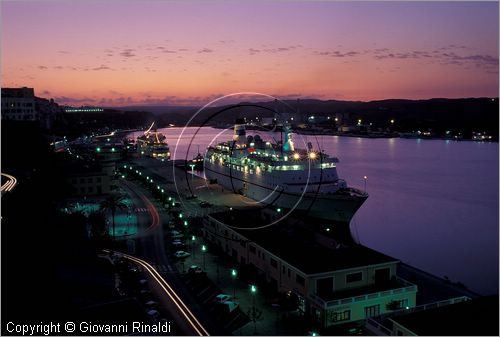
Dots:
pixel 289 301
pixel 255 315
pixel 112 203
pixel 98 229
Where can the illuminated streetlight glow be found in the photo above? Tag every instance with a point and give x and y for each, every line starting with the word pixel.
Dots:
pixel 296 156
pixel 234 273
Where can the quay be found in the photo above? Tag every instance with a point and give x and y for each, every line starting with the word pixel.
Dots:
pixel 371 288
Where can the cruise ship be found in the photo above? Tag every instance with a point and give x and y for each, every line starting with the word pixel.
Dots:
pixel 153 143
pixel 283 176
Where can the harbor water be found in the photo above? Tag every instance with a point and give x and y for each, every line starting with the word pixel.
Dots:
pixel 433 204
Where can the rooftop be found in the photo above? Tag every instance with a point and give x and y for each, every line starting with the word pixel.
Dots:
pixel 295 244
pixel 477 317
pixel 370 289
pixel 18 92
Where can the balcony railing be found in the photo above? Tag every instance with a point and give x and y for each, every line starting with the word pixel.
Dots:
pixel 381 326
pixel 407 287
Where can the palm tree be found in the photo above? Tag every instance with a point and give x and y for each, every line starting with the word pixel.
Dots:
pixel 112 203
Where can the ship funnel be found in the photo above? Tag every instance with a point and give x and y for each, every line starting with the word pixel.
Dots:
pixel 239 131
pixel 288 144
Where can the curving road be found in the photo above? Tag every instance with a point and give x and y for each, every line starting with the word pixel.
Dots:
pixel 9 184
pixel 151 247
pixel 184 318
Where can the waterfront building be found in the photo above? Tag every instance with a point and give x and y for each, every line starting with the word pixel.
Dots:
pixel 85 182
pixel 108 153
pixel 335 282
pixel 19 104
pixel 88 180
pixel 48 112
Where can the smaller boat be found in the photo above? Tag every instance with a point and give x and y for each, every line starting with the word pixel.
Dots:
pixel 153 144
pixel 197 162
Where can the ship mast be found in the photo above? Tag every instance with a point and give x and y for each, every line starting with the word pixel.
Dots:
pixel 277 120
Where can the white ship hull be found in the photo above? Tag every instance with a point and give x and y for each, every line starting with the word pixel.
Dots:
pixel 270 189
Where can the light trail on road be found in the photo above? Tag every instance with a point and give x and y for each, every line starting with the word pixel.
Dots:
pixel 9 185
pixel 184 310
pixel 155 216
pixel 153 211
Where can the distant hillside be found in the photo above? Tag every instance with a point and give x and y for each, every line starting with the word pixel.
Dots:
pixel 462 115
pixel 157 109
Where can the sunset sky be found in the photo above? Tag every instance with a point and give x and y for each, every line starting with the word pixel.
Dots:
pixel 113 53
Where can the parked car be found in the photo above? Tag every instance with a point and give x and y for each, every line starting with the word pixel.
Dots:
pixel 178 244
pixel 230 305
pixel 151 304
pixel 181 254
pixel 205 204
pixel 154 314
pixel 194 269
pixel 174 234
pixel 221 298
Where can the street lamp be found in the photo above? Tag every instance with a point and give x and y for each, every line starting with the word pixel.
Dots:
pixel 203 249
pixel 192 171
pixel 193 242
pixel 253 290
pixel 234 274
pixel 254 314
pixel 365 178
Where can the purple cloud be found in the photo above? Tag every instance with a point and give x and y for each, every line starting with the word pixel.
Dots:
pixel 102 67
pixel 128 52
